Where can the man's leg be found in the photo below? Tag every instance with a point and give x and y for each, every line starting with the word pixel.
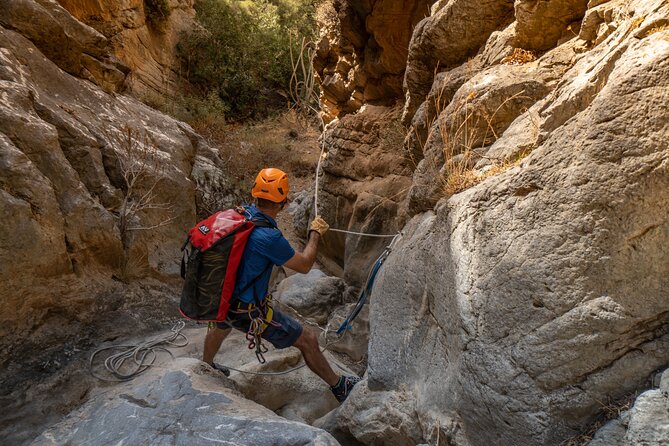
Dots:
pixel 212 342
pixel 307 343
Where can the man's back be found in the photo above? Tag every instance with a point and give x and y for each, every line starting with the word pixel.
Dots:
pixel 265 248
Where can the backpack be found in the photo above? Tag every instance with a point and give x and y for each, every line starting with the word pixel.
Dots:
pixel 211 256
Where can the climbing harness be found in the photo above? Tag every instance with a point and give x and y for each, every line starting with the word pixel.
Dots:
pixel 260 317
pixel 137 358
pixel 367 290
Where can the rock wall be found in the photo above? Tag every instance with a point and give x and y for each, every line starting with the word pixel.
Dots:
pixel 62 186
pixel 361 55
pixel 510 311
pixel 148 49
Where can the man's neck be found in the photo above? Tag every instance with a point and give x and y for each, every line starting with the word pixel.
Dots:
pixel 269 212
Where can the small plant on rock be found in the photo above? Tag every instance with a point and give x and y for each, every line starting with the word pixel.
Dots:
pixel 156 12
pixel 140 170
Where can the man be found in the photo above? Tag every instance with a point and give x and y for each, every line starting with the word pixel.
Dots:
pixel 249 308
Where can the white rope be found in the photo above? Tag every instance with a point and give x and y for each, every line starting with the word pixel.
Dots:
pixel 321 157
pixel 137 359
pixel 320 160
pixel 366 234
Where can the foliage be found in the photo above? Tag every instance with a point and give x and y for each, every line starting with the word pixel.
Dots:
pixel 241 51
pixel 156 11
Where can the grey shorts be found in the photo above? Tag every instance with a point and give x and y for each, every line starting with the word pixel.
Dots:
pixel 281 333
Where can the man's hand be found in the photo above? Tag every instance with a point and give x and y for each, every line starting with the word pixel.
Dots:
pixel 319 225
pixel 303 261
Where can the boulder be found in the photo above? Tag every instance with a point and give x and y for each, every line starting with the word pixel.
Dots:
pixel 540 25
pixel 531 297
pixel 299 395
pixel 182 403
pixel 646 423
pixel 147 49
pixel 374 418
pixel 649 417
pixel 312 295
pixel 445 40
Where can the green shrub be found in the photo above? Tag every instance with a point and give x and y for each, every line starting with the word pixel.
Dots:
pixel 156 11
pixel 242 51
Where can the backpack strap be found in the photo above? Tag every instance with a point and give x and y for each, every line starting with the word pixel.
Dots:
pixel 262 222
pixel 258 222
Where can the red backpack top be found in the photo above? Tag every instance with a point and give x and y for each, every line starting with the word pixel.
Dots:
pixel 209 267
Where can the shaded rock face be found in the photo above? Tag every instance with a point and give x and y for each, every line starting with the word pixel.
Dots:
pixel 509 311
pixel 366 177
pixel 62 187
pixel 185 403
pixel 148 49
pixel 361 55
pixel 528 299
pixel 647 423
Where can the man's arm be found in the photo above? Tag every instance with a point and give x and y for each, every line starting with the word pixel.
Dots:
pixel 303 261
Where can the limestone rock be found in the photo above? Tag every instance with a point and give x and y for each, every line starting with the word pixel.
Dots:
pixel 74 47
pixel 299 396
pixel 646 423
pixel 62 186
pixel 148 50
pixel 374 418
pixel 362 53
pixel 312 295
pixel 540 25
pixel 612 433
pixel 445 40
pixel 482 108
pixel 352 342
pixel 365 178
pixel 182 404
pixel 601 20
pixel 526 300
pixel 649 418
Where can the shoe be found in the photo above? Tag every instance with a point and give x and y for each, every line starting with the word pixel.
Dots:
pixel 220 368
pixel 343 388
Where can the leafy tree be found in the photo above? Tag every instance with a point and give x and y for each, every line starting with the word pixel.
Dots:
pixel 241 50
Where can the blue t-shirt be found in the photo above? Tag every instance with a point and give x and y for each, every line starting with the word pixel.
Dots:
pixel 265 247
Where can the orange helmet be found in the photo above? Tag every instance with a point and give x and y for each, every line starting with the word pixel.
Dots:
pixel 271 184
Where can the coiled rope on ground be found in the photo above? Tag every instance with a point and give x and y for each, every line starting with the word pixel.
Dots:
pixel 133 360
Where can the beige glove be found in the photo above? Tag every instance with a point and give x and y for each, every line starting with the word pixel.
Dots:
pixel 319 226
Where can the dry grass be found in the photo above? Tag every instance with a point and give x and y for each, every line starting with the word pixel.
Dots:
pixel 519 57
pixel 609 410
pixel 468 127
pixel 285 141
pixel 657 28
pixel 461 179
pixel 461 136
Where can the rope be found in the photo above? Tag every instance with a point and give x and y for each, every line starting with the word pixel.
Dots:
pixel 366 234
pixel 367 290
pixel 321 157
pixel 137 359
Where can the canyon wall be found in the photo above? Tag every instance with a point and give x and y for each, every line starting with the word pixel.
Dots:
pixel 71 147
pixel 516 305
pixel 142 38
